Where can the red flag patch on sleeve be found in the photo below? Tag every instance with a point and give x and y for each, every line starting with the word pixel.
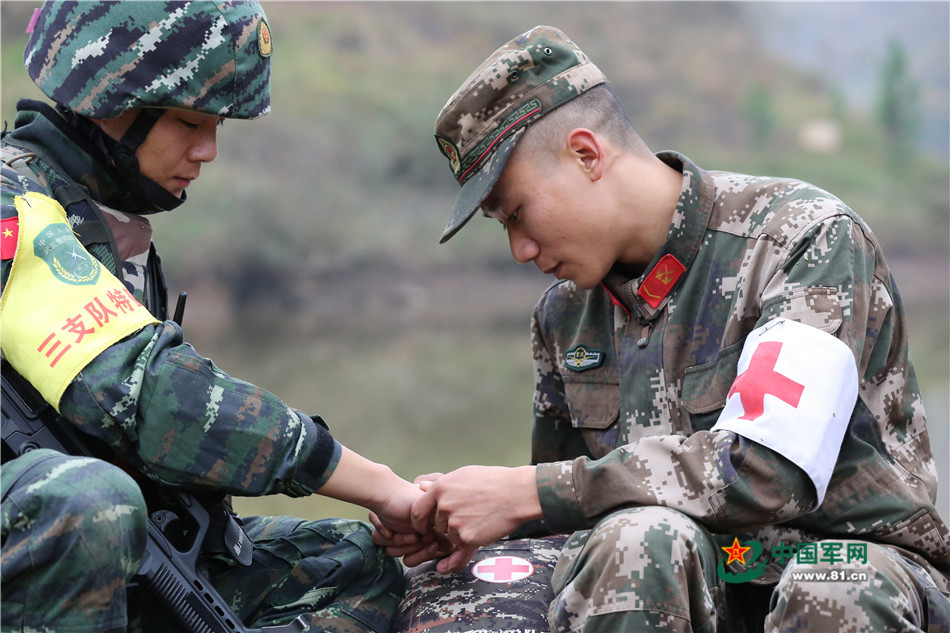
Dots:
pixel 9 232
pixel 661 280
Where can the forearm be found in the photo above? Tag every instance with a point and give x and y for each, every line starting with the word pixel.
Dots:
pixel 362 482
pixel 375 487
pixel 185 423
pixel 720 479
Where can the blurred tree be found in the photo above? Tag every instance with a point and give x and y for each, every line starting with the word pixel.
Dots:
pixel 898 106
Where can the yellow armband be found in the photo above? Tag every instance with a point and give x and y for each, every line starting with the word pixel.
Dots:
pixel 60 307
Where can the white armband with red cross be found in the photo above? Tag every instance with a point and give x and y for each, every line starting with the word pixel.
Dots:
pixel 60 307
pixel 794 393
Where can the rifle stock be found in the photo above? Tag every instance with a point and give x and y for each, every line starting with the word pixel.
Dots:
pixel 178 523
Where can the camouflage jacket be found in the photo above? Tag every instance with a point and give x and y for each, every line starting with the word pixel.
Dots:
pixel 170 412
pixel 632 375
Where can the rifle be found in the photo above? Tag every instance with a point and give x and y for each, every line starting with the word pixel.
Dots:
pixel 180 525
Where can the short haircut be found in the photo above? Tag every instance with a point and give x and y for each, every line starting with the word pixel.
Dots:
pixel 598 110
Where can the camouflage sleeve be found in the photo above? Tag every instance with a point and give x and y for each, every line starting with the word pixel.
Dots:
pixel 829 278
pixel 184 422
pixel 721 479
pixel 835 279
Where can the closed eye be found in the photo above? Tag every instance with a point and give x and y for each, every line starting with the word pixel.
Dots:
pixel 510 219
pixel 191 125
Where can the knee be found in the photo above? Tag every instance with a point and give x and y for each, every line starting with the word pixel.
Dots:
pixel 647 532
pixel 650 566
pixel 648 543
pixel 118 510
pixel 877 590
pixel 81 509
pixel 105 496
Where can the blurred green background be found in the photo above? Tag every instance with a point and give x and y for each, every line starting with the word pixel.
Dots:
pixel 309 248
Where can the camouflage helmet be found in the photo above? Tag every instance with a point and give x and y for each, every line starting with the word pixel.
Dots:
pixel 100 59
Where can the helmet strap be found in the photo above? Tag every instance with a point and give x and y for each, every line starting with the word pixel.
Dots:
pixel 123 154
pixel 120 155
pixel 127 165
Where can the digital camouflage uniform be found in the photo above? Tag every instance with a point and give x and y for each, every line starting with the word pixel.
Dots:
pixel 638 426
pixel 643 456
pixel 73 528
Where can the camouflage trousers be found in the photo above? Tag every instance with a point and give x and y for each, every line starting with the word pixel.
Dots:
pixel 73 533
pixel 329 570
pixel 655 569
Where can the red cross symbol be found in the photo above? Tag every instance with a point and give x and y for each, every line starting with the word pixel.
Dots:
pixel 503 569
pixel 761 378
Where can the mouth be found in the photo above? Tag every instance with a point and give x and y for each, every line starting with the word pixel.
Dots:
pixel 184 181
pixel 554 270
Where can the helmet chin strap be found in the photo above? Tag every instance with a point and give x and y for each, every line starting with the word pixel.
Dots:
pixel 127 164
pixel 149 196
pixel 123 154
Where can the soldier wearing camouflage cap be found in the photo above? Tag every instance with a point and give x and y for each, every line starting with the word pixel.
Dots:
pixel 139 89
pixel 724 404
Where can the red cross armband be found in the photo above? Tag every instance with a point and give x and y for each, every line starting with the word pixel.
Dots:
pixel 794 393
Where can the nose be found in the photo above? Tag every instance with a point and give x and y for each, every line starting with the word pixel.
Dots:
pixel 523 248
pixel 205 149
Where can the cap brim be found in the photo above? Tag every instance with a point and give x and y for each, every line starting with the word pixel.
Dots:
pixel 477 188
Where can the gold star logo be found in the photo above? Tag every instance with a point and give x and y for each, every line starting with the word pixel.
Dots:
pixel 7 233
pixel 736 552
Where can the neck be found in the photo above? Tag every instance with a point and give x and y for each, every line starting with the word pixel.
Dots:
pixel 651 190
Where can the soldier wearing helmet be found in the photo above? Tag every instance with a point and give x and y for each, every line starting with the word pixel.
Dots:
pixel 138 91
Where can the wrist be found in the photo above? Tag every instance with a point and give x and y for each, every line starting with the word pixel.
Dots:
pixel 385 485
pixel 361 481
pixel 529 506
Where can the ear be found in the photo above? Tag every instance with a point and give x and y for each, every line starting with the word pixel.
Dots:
pixel 587 151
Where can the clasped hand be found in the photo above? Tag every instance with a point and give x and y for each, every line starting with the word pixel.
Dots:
pixel 460 511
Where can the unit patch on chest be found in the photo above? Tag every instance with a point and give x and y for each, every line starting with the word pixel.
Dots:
pixel 582 358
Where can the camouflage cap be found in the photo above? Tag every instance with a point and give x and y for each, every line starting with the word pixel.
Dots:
pixel 101 59
pixel 519 83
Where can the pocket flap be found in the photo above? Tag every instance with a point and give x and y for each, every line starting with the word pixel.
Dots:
pixel 594 404
pixel 706 387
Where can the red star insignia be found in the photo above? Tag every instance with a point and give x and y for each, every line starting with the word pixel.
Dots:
pixel 736 552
